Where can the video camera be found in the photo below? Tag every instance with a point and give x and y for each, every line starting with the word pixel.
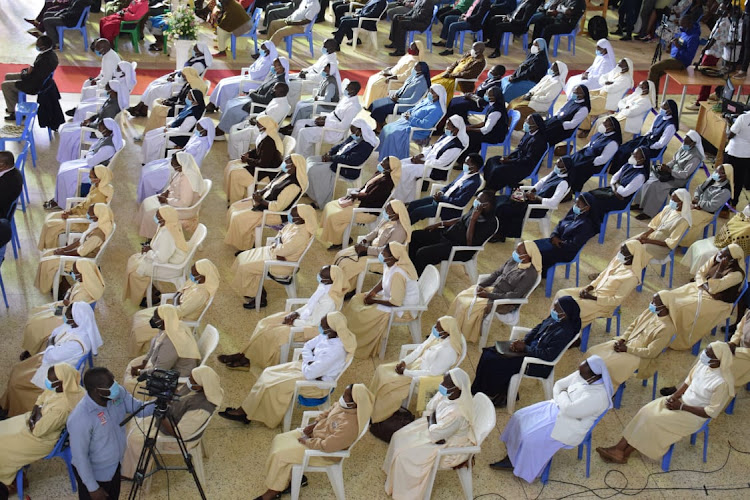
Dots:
pixel 161 384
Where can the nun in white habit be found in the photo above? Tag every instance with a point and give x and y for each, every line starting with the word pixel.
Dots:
pixel 229 88
pixel 164 86
pixel 604 62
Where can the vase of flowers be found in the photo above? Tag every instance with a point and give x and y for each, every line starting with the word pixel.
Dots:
pixel 182 31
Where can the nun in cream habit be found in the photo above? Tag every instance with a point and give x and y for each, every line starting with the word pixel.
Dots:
pixel 666 229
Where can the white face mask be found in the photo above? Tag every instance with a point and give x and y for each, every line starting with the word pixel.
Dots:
pixel 746 211
pixel 473 53
pixel 534 49
pixel 343 403
pixel 620 257
pixel 601 129
pixel 632 160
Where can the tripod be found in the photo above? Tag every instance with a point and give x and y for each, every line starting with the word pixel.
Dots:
pixel 657 50
pixel 734 21
pixel 149 452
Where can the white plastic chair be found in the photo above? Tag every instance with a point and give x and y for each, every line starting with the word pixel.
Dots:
pixel 470 266
pixel 263 223
pixel 407 348
pixel 503 318
pixel 545 223
pixel 473 81
pixel 484 422
pixel 357 210
pixel 166 298
pixel 288 282
pixel 335 470
pixel 168 136
pixel 427 176
pixel 207 344
pixel 192 212
pixel 176 273
pixel 373 34
pixel 444 205
pixel 356 182
pixel 65 259
pixel 547 382
pixel 294 330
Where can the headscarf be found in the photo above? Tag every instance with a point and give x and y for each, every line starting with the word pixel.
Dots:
pixel 420 48
pixel 172 224
pixel 183 341
pixel 593 214
pixel 729 172
pixel 442 95
pixel 698 143
pixel 208 124
pixel 395 169
pixel 598 366
pixel 536 257
pixel 674 116
pixel 337 322
pixel 606 63
pixel 339 286
pixel 368 135
pixel 629 73
pixel 450 325
pixel 104 218
pixel 116 134
pixel 263 64
pixel 300 165
pixel 104 174
pixel 539 122
pixel 640 257
pixel 401 253
pixel 459 123
pixel 364 399
pixel 586 95
pixel 83 315
pixel 542 54
pixel 686 200
pixel 206 51
pixel 403 216
pixel 195 109
pixel 737 254
pixel 285 63
pixel 123 94
pixel 128 69
pixel 616 133
pixel 651 92
pixel 190 170
pixel 572 311
pixel 194 80
pixel 71 383
pixel 465 401
pixel 208 269
pixel 207 378
pixel 562 68
pixel 91 278
pixel 724 354
pixel 308 214
pixel 272 131
pixel 424 71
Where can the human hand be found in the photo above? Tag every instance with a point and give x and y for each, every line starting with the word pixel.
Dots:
pixel 64 215
pixel 400 368
pixel 674 403
pixel 98 494
pixel 320 121
pixel 620 346
pixel 483 293
pixel 518 346
pixel 289 318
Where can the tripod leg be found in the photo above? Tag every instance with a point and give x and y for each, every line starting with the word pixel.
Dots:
pixel 187 457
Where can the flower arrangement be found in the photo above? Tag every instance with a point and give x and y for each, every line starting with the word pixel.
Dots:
pixel 182 24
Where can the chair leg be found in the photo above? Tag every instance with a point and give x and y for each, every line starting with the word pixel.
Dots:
pixel 618 396
pixel 550 279
pixel 545 472
pixel 666 459
pixel 336 478
pixel 585 337
pixel 653 389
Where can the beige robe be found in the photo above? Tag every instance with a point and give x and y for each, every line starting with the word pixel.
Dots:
pixel 140 266
pixel 741 364
pixel 668 229
pixel 49 263
pixel 336 219
pixel 701 218
pixel 181 195
pixel 54 224
pixel 236 180
pixel 161 355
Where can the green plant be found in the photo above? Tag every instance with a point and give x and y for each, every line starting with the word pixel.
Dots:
pixel 182 24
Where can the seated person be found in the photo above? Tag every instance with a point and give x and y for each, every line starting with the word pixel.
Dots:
pixel 333 430
pixel 267 153
pixel 709 197
pixel 67 343
pixel 706 391
pixel 354 151
pixel 162 109
pixel 509 171
pixel 368 314
pixel 134 11
pixel 167 246
pixel 512 280
pixel 31 78
pixel 614 85
pixel 684 47
pixel 637 350
pixel 394 138
pixel 433 244
pixel 88 245
pixel 535 433
pixel 590 159
pixel 545 341
pixel 666 229
pixel 67 16
pixel 182 191
pixel 542 96
pixel 458 192
pixel 449 422
pixel 528 73
pixel 377 84
pixel 571 234
pixel 110 60
pixel 561 20
pixel 324 357
pixel 736 230
pixel 493 129
pixel 405 17
pixel 228 88
pixel 739 346
pixel 434 357
pixel 623 185
pixel 603 295
pixel 244 135
pixel 563 123
pixel 33 435
pixel 694 312
pixel 395 226
pixel 271 334
pixel 326 96
pixel 667 177
pixel 289 245
pixel 433 162
pixel 633 108
pixel 346 24
pixel 306 13
pixel 548 192
pixel 411 92
pixel 337 214
pixel 173 348
pixel 279 195
pixel 304 81
pixel 185 122
pixel 470 66
pixel 471 20
pixel 515 22
pixel 475 102
pixel 604 62
pixel 231 18
pixel 190 300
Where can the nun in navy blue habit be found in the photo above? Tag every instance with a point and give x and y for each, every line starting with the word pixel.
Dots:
pixel 493 129
pixel 562 125
pixel 502 171
pixel 591 159
pixel 624 184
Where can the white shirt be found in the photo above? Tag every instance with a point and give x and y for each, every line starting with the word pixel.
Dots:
pixel 307 10
pixel 277 109
pixel 557 196
pixel 631 188
pixel 576 120
pixel 437 357
pixel 323 61
pixel 110 60
pixel 490 122
pixel 448 157
pixel 666 136
pixel 608 152
pixel 634 108
pixel 317 307
pixel 346 110
pixel 705 381
pixel 323 357
pixel 580 405
pixel 739 145
pixel 621 82
pixel 544 93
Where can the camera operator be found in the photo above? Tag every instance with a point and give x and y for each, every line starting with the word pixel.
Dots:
pixel 197 403
pixel 97 441
pixel 684 46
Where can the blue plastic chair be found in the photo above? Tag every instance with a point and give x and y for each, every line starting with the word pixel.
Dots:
pixel 427 32
pixel 88 357
pixel 253 33
pixel 551 272
pixel 24 109
pixel 28 131
pixel 514 116
pixel 587 329
pixel 587 443
pixel 14 239
pixel 306 34
pixel 505 42
pixel 62 450
pixel 571 41
pixel 625 211
pixel 730 406
pixel 21 165
pixel 603 174
pixel 713 222
pixel 81 26
pixel 727 335
pixel 667 458
pixel 478 35
pixel 2 286
pixel 570 144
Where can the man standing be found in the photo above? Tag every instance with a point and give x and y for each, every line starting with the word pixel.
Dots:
pixel 417 19
pixel 31 79
pixel 96 439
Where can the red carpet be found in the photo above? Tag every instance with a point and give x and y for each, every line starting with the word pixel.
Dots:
pixel 70 78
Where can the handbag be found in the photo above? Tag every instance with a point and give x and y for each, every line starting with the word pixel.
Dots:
pixel 384 430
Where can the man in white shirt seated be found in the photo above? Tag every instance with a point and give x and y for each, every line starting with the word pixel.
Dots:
pixel 110 59
pixel 309 78
pixel 244 133
pixel 295 23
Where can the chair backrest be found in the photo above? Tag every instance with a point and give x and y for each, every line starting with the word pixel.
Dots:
pixel 462 356
pixel 515 117
pixel 12 209
pixel 193 210
pixel 82 19
pixel 21 158
pixel 428 284
pixel 59 445
pixel 106 242
pixel 588 434
pixel 198 236
pixel 208 342
pixel 289 144
pixel 484 417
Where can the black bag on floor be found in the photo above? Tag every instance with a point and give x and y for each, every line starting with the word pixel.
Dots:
pixel 598 28
pixel 385 429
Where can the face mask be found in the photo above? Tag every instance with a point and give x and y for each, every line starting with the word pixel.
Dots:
pixel 322 332
pixel 189 385
pixel 599 52
pixel 554 315
pixel 114 391
pixel 188 101
pixel 526 128
pixel 601 129
pixel 557 171
pixel 320 279
pixel 98 53
pixel 156 220
pixel 551 72
pixel 381 168
pixel 435 332
pixel 577 210
pixel 264 53
pixel 662 112
pixel 48 385
pixel 579 100
pixel 486 98
pixel 490 77
pixel 473 53
pixel 443 390
pixel 324 51
pixel 381 258
pixel 516 257
pixel 343 403
pixel 746 211
pixel 448 133
pixel 620 257
pixel 284 168
pixel 412 52
pixel 476 204
pixel 632 160
pixel 193 279
pixel 534 49
pixel 685 147
pixel 652 308
pixel 467 168
pixel 673 204
pixel 715 176
pixel 273 71
pixel 704 359
pixel 354 137
pixel 73 275
pixel 88 217
pixel 323 74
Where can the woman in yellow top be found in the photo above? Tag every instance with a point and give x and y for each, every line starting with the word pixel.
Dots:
pixel 87 245
pixel 613 285
pixel 666 229
pixel 288 245
pixel 434 357
pixel 280 194
pixel 167 246
pixel 368 313
pixel 697 307
pixel 263 349
pixel 88 287
pixel 377 84
pixel 101 192
pixel 395 225
pixel 469 67
pixel 190 300
pixel 30 436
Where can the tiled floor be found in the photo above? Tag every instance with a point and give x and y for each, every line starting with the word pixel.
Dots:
pixel 237 453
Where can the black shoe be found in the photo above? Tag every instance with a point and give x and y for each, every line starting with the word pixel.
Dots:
pixel 504 464
pixel 251 304
pixel 397 53
pixel 642 217
pixel 732 328
pixel 236 418
pixel 667 391
pixel 71 112
pixel 288 490
pixel 617 32
pixel 495 53
pixel 447 52
pixel 497 238
pixel 10 117
pixel 439 43
pixel 347 296
pixel 626 38
pixel 389 46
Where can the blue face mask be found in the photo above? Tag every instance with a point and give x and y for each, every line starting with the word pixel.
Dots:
pixel 652 307
pixel 554 315
pixel 273 70
pixel 486 98
pixel 354 137
pixel 490 77
pixel 289 218
pixel 704 359
pixel 188 101
pixel 264 53
pixel 557 171
pixel 685 147
pixel 114 391
pixel 48 385
pixel 599 52
pixel 715 176
pixel 98 53
pixel 526 128
pixel 193 279
pixel 324 51
pixel 381 258
pixel 195 54
pixel 467 168
pixel 435 332
pixel 516 257
pixel 662 112
pixel 381 169
pixel 448 133
pixel 322 332
pixel 673 204
pixel 443 390
pixel 324 74
pixel 88 217
pixel 476 204
pixel 551 72
pixel 284 168
pixel 577 210
pixel 320 279
pixel 156 219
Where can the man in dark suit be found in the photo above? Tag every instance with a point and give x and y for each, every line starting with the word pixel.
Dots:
pixel 31 79
pixel 11 184
pixel 372 9
pixel 418 19
pixel 474 101
pixel 68 18
pixel 496 26
pixel 560 21
pixel 471 20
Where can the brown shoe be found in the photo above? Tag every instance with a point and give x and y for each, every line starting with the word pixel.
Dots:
pixel 611 455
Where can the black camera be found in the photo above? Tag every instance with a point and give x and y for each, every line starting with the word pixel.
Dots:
pixel 162 384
